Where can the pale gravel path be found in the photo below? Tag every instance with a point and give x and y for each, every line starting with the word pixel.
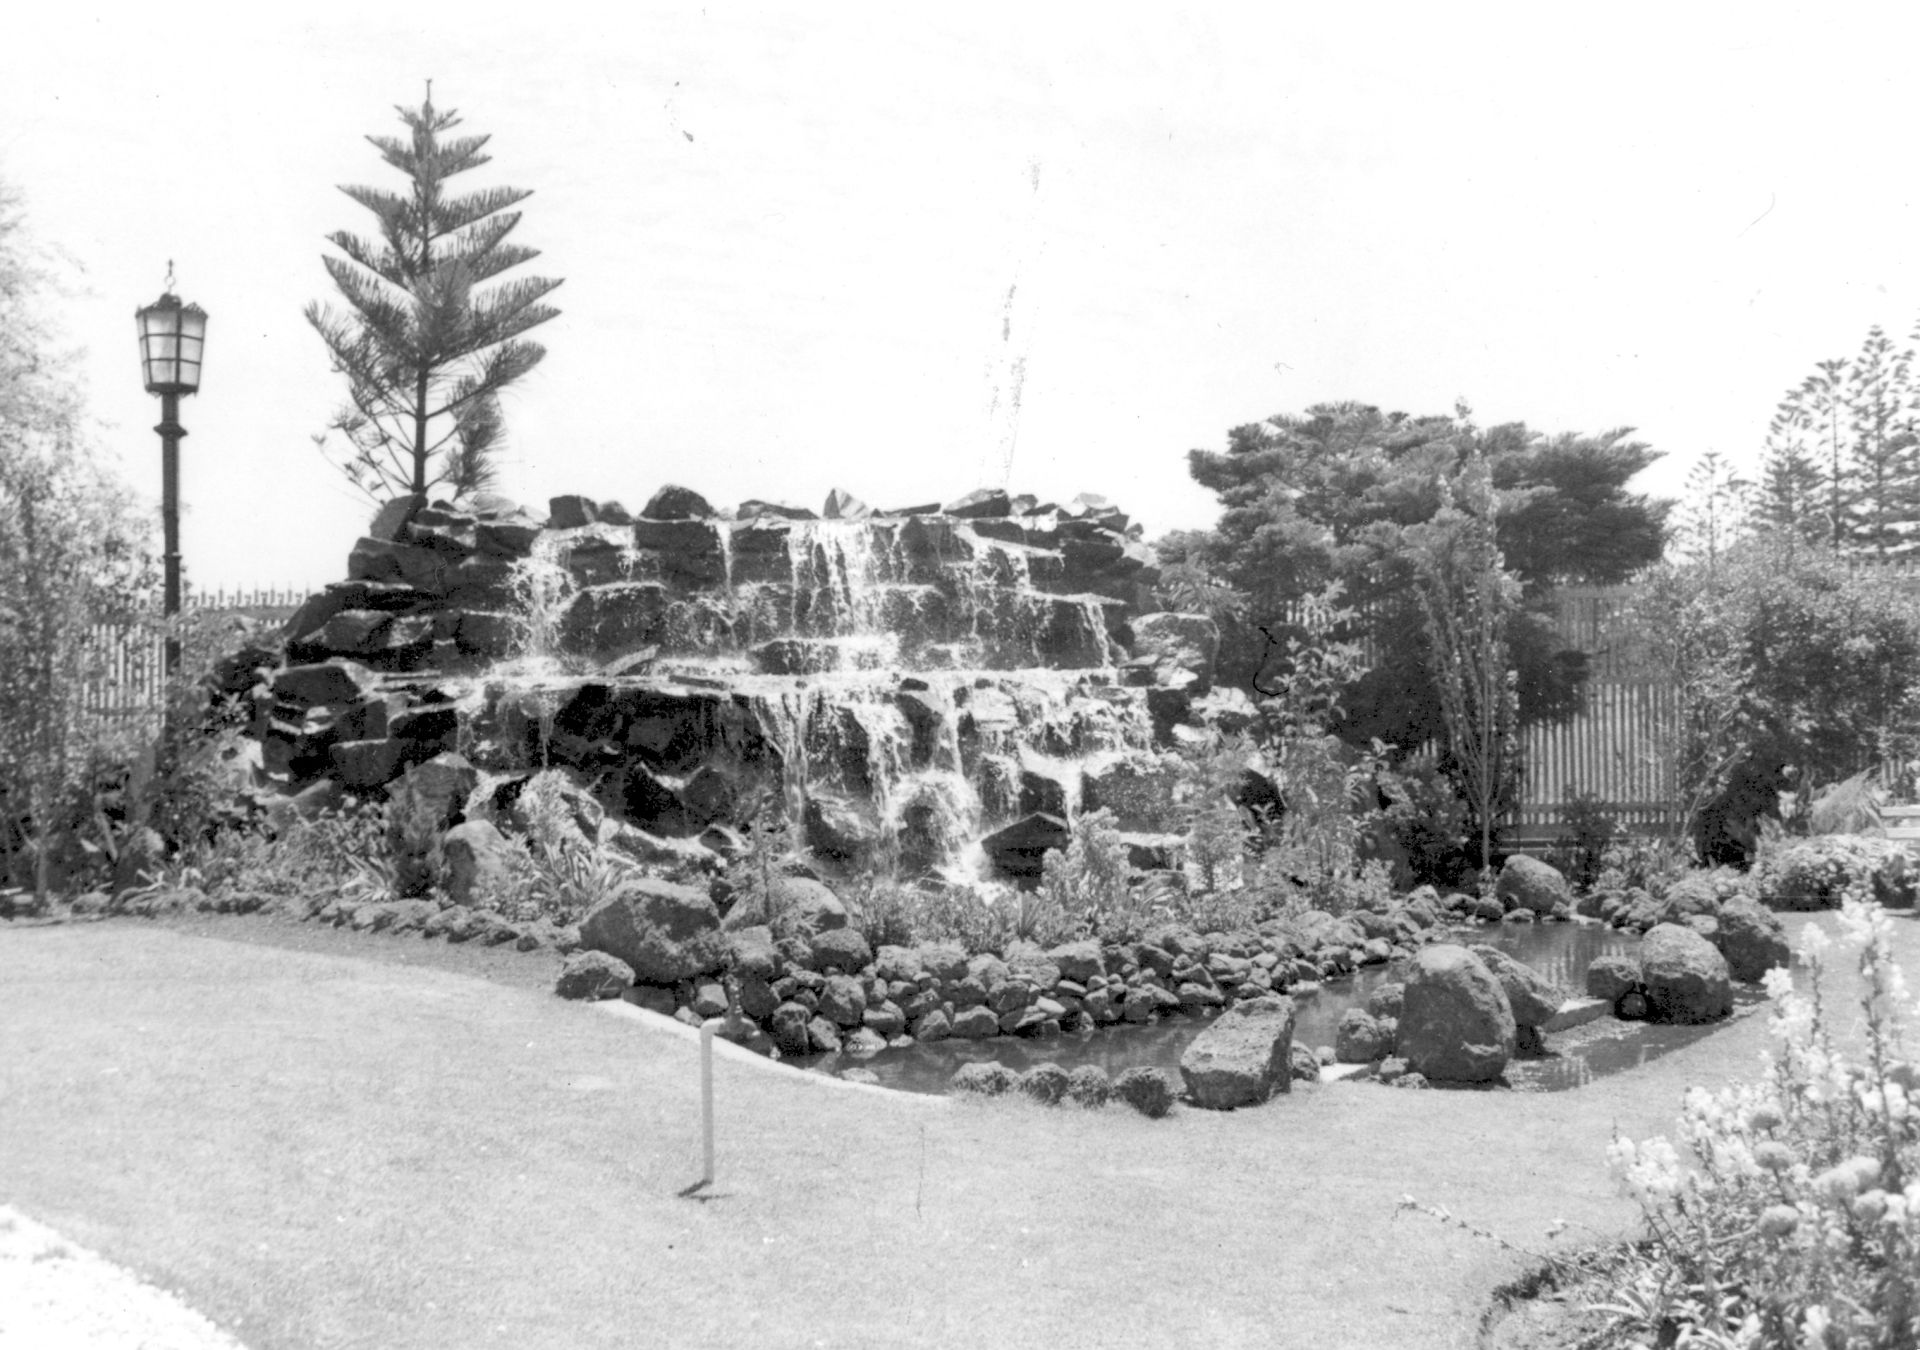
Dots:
pixel 57 1295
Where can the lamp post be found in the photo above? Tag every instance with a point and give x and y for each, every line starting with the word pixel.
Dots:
pixel 172 338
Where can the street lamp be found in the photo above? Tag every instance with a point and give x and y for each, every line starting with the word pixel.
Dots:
pixel 172 338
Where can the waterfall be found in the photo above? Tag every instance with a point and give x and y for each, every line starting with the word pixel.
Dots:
pixel 541 587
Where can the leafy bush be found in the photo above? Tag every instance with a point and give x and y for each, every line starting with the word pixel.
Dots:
pixel 1800 1223
pixel 1579 851
pixel 1045 1083
pixel 1650 865
pixel 987 1079
pixel 1426 819
pixel 1087 880
pixel 1089 1085
pixel 1821 873
pixel 303 866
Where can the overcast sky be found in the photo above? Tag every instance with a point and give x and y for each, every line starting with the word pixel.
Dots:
pixel 910 253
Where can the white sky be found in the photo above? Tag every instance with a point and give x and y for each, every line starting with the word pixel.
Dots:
pixel 789 234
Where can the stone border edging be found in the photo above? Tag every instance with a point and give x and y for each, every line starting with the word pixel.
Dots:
pixel 740 1054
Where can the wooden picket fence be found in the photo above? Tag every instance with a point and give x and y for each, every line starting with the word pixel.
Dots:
pixel 129 665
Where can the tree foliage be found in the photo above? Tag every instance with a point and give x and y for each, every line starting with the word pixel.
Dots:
pixel 1467 599
pixel 74 554
pixel 1783 656
pixel 1330 495
pixel 1841 465
pixel 425 343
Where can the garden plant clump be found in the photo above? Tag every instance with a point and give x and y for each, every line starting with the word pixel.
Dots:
pixel 1823 872
pixel 1798 1223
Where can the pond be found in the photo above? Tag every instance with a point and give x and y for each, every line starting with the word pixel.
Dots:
pixel 1560 951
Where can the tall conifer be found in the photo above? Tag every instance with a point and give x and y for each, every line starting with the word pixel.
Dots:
pixel 425 350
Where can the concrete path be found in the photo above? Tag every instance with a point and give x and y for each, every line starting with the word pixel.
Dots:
pixel 321 1151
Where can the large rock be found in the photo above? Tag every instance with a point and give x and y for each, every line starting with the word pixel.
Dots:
pixel 1684 978
pixel 664 931
pixel 1528 883
pixel 1532 996
pixel 328 683
pixel 593 975
pixel 1186 644
pixel 841 948
pixel 1243 1058
pixel 1360 1038
pixel 433 795
pixel 1751 938
pixel 475 871
pixel 1021 848
pixel 981 503
pixel 1455 1022
pixel 842 505
pixel 1612 975
pixel 674 502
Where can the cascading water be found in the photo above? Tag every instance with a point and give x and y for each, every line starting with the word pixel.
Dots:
pixel 905 684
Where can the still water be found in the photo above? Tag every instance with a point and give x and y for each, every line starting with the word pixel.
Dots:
pixel 1560 951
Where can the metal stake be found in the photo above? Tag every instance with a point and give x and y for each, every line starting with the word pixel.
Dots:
pixel 706 1099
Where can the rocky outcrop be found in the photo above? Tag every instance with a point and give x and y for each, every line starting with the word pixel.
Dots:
pixel 1243 1057
pixel 981 633
pixel 1455 1023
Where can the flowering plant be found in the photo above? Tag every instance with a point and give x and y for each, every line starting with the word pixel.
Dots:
pixel 1799 1224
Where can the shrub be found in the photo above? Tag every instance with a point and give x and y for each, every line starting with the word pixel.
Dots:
pixel 1820 873
pixel 1089 1085
pixel 889 912
pixel 986 1079
pixel 1427 820
pixel 1800 1223
pixel 1087 880
pixel 1147 1091
pixel 1649 865
pixel 1045 1083
pixel 1579 851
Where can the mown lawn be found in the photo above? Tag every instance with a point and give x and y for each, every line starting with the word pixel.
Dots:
pixel 321 1150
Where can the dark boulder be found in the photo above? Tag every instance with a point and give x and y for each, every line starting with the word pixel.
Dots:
pixel 674 502
pixel 1751 938
pixel 1684 978
pixel 666 932
pixel 1455 1022
pixel 1243 1057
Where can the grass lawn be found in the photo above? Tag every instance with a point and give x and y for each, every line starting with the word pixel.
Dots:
pixel 318 1149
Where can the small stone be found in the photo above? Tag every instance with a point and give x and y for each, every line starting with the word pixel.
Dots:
pixel 823 1035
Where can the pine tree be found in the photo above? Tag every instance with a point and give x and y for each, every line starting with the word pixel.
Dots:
pixel 1884 460
pixel 1787 500
pixel 1822 397
pixel 1710 514
pixel 424 349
